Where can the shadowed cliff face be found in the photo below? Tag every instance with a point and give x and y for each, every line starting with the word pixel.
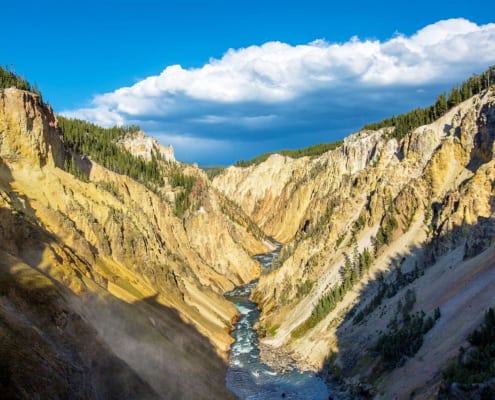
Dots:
pixel 47 349
pixel 365 211
pixel 55 344
pixel 65 335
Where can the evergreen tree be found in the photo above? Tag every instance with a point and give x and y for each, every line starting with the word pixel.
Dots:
pixel 10 79
pixel 441 105
pixel 311 151
pixel 454 97
pixel 466 91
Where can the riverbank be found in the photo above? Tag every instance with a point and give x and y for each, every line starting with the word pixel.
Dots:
pixel 278 359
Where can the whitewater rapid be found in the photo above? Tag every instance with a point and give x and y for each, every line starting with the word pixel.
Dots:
pixel 249 378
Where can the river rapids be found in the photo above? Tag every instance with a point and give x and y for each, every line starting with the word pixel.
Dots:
pixel 247 376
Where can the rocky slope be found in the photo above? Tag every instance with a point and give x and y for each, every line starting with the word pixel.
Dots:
pixel 376 213
pixel 101 284
pixel 144 146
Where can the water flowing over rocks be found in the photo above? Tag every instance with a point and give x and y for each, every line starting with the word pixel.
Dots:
pixel 250 378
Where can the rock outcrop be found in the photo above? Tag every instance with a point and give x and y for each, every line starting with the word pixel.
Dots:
pixel 140 145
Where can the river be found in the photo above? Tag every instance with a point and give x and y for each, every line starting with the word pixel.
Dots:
pixel 247 376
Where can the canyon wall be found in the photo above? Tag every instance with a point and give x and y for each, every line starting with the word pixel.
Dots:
pixel 104 264
pixel 416 213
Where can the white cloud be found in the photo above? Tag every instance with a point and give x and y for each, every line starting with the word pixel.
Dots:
pixel 263 84
pixel 444 31
pixel 100 114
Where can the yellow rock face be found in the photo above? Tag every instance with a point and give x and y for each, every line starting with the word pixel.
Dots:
pixel 119 251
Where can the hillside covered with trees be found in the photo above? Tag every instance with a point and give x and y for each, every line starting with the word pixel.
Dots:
pixel 101 145
pixel 310 151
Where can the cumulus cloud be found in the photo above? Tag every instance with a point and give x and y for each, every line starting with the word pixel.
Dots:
pixel 284 90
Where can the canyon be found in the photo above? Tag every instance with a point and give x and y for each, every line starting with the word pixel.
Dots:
pixel 107 292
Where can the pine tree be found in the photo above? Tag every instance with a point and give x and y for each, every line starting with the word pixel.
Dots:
pixel 454 97
pixel 441 106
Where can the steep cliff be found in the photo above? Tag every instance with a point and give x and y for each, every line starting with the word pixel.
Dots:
pixel 367 222
pixel 104 264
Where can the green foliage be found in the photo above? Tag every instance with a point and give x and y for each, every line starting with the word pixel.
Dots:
pixel 272 330
pixel 455 97
pixel 213 170
pixel 351 272
pixel 192 189
pixel 182 203
pixel 486 334
pixel 477 364
pixel 311 151
pixel 365 260
pixel 304 288
pixel 405 123
pixel 110 188
pixel 385 232
pixel 10 79
pixel 409 300
pixel 360 222
pixel 177 178
pixel 440 107
pixel 404 339
pixel 340 239
pixel 71 167
pixel 389 289
pixel 333 367
pixel 100 144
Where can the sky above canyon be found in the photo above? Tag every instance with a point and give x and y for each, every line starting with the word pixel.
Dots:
pixel 226 80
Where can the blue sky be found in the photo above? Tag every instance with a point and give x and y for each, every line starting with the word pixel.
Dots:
pixel 227 80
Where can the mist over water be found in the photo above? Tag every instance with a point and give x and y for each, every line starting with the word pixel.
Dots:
pixel 247 376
